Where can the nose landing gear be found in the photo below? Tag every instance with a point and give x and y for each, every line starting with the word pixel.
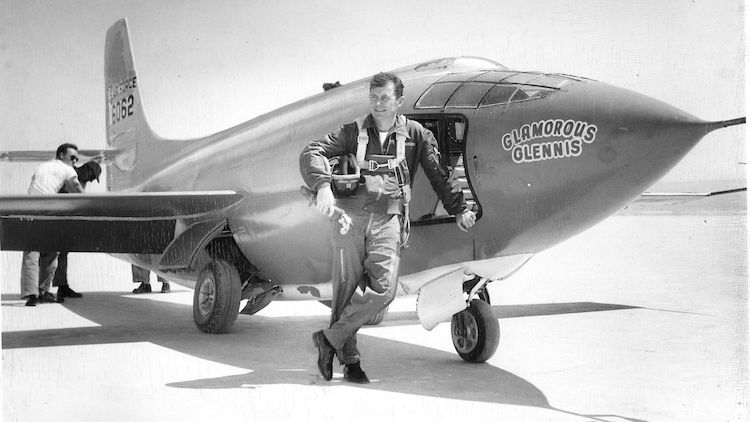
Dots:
pixel 475 331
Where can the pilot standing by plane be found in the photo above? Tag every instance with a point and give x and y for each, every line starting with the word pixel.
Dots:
pixel 374 160
pixel 38 268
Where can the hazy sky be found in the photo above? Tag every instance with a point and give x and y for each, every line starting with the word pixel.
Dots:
pixel 207 65
pixel 204 66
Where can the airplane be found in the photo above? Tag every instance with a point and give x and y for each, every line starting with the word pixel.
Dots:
pixel 539 156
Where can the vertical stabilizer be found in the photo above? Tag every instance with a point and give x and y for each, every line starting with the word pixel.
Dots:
pixel 128 130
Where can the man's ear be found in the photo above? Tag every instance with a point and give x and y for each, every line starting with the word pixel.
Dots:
pixel 400 101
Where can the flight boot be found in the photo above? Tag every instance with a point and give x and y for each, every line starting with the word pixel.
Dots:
pixel 354 373
pixel 143 288
pixel 31 300
pixel 47 297
pixel 66 291
pixel 326 352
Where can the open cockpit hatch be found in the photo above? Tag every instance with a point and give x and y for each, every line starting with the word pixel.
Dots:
pixel 450 131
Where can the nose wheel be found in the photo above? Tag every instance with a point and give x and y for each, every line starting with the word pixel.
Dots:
pixel 475 332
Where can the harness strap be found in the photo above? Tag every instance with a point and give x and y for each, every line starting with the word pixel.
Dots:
pixel 394 164
pixel 363 138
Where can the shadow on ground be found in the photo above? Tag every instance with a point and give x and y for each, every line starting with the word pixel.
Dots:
pixel 279 350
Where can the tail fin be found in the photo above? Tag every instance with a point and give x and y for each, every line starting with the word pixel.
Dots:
pixel 134 150
pixel 128 130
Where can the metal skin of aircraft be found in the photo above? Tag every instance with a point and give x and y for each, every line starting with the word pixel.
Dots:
pixel 540 157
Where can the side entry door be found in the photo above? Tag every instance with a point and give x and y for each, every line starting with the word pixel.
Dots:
pixel 450 131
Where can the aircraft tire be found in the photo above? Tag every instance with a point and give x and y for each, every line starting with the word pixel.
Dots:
pixel 475 332
pixel 216 300
pixel 378 318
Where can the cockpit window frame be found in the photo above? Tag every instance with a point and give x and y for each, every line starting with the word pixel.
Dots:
pixel 462 77
pixel 541 92
pixel 468 85
pixel 542 85
pixel 428 91
pixel 508 98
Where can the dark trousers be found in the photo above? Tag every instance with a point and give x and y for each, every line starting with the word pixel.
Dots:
pixel 141 275
pixel 61 273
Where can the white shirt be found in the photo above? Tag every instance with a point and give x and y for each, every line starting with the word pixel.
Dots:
pixel 50 176
pixel 383 136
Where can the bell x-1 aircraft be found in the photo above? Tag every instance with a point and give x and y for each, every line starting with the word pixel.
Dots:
pixel 540 157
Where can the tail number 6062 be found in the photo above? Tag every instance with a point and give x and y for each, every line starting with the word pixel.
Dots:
pixel 121 109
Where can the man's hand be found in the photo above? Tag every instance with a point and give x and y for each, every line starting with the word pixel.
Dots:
pixel 466 220
pixel 324 201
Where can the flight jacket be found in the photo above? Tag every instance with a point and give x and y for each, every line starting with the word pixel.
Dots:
pixel 380 192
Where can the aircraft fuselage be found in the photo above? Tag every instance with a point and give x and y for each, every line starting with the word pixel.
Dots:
pixel 541 168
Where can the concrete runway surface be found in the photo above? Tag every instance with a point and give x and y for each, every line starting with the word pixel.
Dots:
pixel 641 318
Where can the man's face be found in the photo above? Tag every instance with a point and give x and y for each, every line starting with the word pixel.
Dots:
pixel 70 157
pixel 383 102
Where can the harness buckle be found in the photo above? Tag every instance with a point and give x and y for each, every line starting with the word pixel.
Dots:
pixel 373 165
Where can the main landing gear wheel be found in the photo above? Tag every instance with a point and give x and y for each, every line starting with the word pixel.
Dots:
pixel 216 300
pixel 475 332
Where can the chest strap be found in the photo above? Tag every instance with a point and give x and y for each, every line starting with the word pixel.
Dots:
pixel 363 139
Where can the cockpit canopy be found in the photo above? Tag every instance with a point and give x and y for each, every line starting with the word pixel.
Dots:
pixel 491 87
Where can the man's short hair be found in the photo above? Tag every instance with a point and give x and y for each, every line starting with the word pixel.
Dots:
pixel 63 148
pixel 381 79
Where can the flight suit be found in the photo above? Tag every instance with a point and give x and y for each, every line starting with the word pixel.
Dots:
pixel 366 258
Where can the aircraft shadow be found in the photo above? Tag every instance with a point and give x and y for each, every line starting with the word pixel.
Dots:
pixel 279 350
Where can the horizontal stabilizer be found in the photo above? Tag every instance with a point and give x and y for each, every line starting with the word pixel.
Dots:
pixel 107 155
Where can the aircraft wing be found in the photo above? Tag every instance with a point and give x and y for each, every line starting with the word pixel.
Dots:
pixel 139 222
pixel 689 202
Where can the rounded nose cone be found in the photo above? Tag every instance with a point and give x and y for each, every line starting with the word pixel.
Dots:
pixel 630 140
pixel 628 112
pixel 640 138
